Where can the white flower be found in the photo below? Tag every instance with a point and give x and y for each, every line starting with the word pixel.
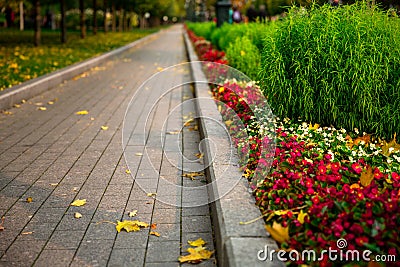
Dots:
pixel 391 149
pixel 389 161
pixel 356 131
pixel 376 152
pixel 343 130
pixel 353 153
pixel 372 146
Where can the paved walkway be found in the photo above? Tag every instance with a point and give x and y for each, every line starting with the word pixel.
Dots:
pixel 55 156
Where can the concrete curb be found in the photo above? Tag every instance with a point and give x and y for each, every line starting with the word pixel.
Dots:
pixel 236 245
pixel 34 87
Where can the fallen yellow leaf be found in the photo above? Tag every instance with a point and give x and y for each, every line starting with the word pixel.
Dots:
pixel 128 171
pixel 130 226
pixel 315 127
pixel 151 194
pixel 42 108
pixel 154 233
pixel 77 215
pixel 139 154
pixel 132 213
pixel 196 255
pixel 17 106
pixel 1 224
pixel 199 155
pixel 159 69
pixel 278 232
pixel 50 102
pixel 391 147
pixel 153 226
pixel 78 202
pixel 197 243
pixel 366 176
pixel 192 175
pixel 82 112
pixel 301 216
pixel 54 184
pixel 104 128
pixel 26 233
pixel 174 132
pixel 228 123
pixel 29 199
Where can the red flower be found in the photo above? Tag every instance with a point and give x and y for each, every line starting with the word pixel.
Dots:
pixel 361 241
pixel 356 168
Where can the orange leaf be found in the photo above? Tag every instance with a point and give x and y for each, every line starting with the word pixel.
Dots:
pixel 154 233
pixel 153 226
pixel 366 176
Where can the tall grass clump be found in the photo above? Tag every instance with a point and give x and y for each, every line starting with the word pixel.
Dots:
pixel 336 66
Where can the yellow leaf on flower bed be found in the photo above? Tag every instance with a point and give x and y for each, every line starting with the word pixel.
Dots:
pixel 301 216
pixel 278 232
pixel 366 176
pixel 391 147
pixel 130 226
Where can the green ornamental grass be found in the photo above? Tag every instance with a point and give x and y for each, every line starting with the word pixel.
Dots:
pixel 336 66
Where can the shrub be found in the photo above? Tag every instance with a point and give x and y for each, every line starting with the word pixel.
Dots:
pixel 203 29
pixel 243 55
pixel 338 66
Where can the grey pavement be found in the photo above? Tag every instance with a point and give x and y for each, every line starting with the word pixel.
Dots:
pixel 54 156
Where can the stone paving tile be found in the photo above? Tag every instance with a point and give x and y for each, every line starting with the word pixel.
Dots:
pixel 61 240
pixel 122 257
pixel 196 224
pixel 93 252
pixel 163 251
pixel 55 257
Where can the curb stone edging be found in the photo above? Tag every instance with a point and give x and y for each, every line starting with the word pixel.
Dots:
pixel 34 87
pixel 236 245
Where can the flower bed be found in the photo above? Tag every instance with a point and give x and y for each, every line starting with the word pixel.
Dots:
pixel 325 183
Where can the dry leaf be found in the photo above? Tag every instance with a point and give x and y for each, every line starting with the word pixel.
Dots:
pixel 26 233
pixel 196 255
pixel 311 127
pixel 38 104
pixel 153 226
pixel 128 171
pixel 192 175
pixel 6 112
pixel 139 154
pixel 188 122
pixel 391 147
pixel 78 202
pixel 130 226
pixel 132 213
pixel 42 108
pixel 174 132
pixel 151 194
pixel 54 184
pixel 199 155
pixel 154 233
pixel 77 215
pixel 50 102
pixel 159 69
pixel 366 176
pixel 197 243
pixel 92 119
pixel 17 106
pixel 278 232
pixel 104 128
pixel 29 199
pixel 82 112
pixel 1 224
pixel 228 123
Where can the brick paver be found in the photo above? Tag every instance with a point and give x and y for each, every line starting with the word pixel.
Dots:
pixel 55 156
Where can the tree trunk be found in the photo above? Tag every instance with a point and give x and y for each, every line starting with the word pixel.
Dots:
pixel 82 18
pixel 126 16
pixel 105 16
pixel 21 16
pixel 38 20
pixel 114 17
pixel 63 23
pixel 120 20
pixel 94 17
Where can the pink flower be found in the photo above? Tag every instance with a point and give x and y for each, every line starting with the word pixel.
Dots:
pixel 356 168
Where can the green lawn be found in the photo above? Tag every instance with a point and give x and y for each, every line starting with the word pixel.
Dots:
pixel 20 60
